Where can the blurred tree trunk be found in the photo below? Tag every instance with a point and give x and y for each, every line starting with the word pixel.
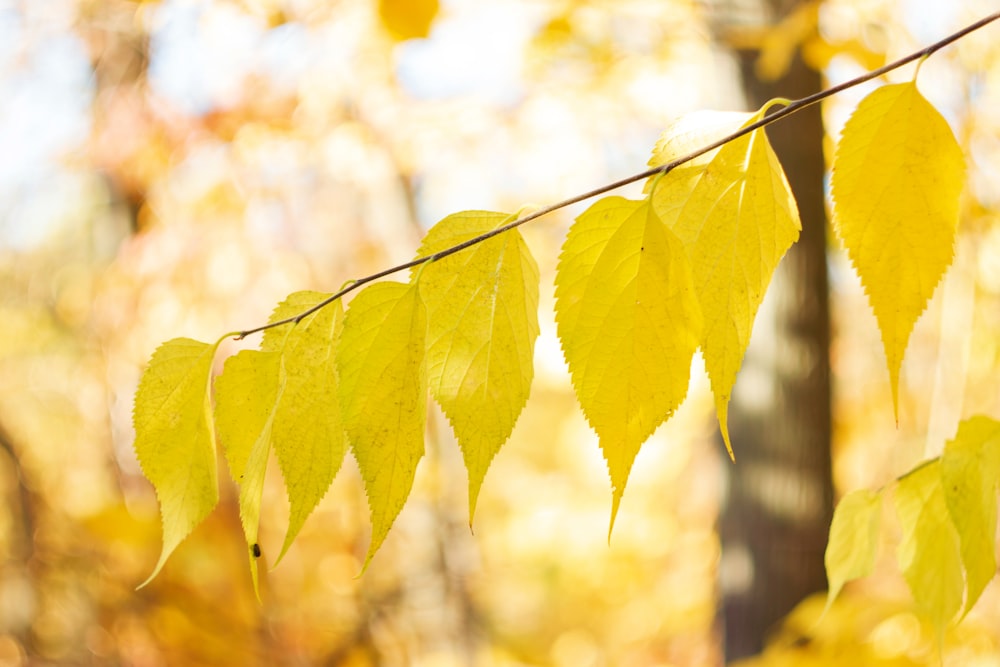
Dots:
pixel 780 491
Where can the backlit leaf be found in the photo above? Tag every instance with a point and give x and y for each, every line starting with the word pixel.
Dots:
pixel 383 395
pixel 736 218
pixel 629 324
pixel 482 311
pixel 970 472
pixel 897 178
pixel 175 437
pixel 275 340
pixel 308 434
pixel 691 132
pixel 853 543
pixel 246 397
pixel 928 554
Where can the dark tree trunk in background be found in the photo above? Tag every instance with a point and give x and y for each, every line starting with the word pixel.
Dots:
pixel 780 492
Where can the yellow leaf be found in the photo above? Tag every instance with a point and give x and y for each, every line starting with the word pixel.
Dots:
pixel 308 434
pixel 175 437
pixel 629 324
pixel 284 396
pixel 383 395
pixel 736 217
pixel 897 178
pixel 853 543
pixel 970 473
pixel 482 312
pixel 246 397
pixel 407 19
pixel 928 553
pixel 274 340
pixel 684 136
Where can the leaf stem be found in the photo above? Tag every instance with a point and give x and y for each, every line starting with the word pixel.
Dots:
pixel 790 108
pixel 920 466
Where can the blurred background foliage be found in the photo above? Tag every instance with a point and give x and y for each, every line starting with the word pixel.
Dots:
pixel 177 167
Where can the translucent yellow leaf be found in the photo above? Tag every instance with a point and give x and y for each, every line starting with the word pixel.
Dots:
pixel 736 217
pixel 853 543
pixel 687 134
pixel 629 324
pixel 407 19
pixel 296 303
pixel 175 437
pixel 482 312
pixel 283 396
pixel 928 554
pixel 897 178
pixel 383 395
pixel 970 473
pixel 246 398
pixel 308 434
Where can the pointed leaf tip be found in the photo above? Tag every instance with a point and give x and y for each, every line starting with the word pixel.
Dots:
pixel 482 311
pixel 898 174
pixel 736 216
pixel 616 499
pixel 247 394
pixel 722 415
pixel 629 324
pixel 383 395
pixel 853 544
pixel 175 437
pixel 309 438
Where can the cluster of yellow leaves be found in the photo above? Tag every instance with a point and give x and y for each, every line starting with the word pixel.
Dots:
pixel 641 285
pixel 464 326
pixel 947 510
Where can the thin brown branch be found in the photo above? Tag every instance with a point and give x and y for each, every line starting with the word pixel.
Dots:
pixel 790 108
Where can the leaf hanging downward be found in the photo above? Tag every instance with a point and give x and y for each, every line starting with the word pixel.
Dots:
pixel 284 396
pixel 970 474
pixel 482 310
pixel 928 554
pixel 629 324
pixel 897 178
pixel 175 437
pixel 383 395
pixel 246 398
pixel 853 543
pixel 736 217
pixel 308 434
